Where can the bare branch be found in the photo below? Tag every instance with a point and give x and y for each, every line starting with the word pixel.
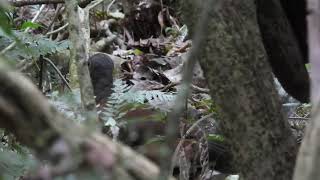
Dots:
pixel 16 3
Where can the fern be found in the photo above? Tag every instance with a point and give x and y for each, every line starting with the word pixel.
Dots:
pixel 29 45
pixel 152 97
pixel 121 101
pixel 124 100
pixel 15 160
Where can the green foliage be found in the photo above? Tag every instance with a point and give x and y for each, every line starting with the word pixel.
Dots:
pixel 124 100
pixel 215 137
pixel 157 139
pixel 154 98
pixel 308 66
pixel 30 46
pixel 69 104
pixel 29 24
pixel 5 18
pixel 14 162
pixel 207 104
pixel 179 34
pixel 137 52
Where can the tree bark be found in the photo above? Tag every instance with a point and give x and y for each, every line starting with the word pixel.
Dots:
pixel 79 31
pixel 241 84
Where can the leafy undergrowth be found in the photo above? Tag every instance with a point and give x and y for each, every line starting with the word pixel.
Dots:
pixel 149 47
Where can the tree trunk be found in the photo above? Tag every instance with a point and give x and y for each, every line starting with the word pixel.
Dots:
pixel 241 84
pixel 79 31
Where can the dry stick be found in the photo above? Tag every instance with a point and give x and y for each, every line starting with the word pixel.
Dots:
pixel 58 72
pixel 119 41
pixel 58 30
pixel 93 4
pixel 173 117
pixel 13 44
pixel 38 2
pixel 308 159
pixel 109 6
pixel 54 19
pixel 299 118
pixel 33 2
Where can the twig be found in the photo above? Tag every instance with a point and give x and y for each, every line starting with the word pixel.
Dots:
pixel 54 18
pixel 38 2
pixel 58 30
pixel 173 122
pixel 299 118
pixel 175 154
pixel 58 72
pixel 93 4
pixel 109 6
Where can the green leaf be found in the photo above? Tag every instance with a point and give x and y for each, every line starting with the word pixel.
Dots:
pixel 215 137
pixel 137 52
pixel 308 66
pixel 5 24
pixel 29 24
pixel 158 139
pixel 30 46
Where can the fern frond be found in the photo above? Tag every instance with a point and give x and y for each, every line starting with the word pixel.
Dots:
pixel 123 100
pixel 30 46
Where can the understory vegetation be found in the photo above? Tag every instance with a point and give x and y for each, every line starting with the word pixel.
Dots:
pixel 150 46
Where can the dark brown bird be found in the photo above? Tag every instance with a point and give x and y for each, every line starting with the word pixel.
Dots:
pixel 101 68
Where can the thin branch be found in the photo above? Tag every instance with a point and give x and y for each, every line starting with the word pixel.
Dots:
pixel 174 157
pixel 299 118
pixel 109 6
pixel 16 3
pixel 93 4
pixel 58 72
pixel 56 15
pixel 173 117
pixel 58 30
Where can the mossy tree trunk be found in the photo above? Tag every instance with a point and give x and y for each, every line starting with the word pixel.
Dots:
pixel 241 84
pixel 79 31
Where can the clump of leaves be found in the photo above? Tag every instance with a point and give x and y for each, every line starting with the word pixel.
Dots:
pixel 69 104
pixel 30 46
pixel 124 100
pixel 304 110
pixel 5 18
pixel 15 159
pixel 120 103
